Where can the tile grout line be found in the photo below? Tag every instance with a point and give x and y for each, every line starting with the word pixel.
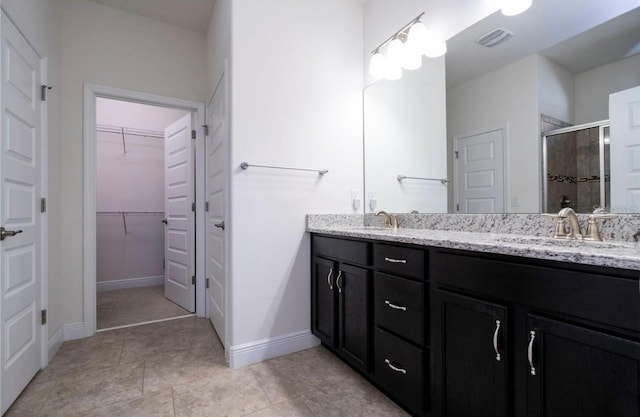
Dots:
pixel 173 401
pixel 261 387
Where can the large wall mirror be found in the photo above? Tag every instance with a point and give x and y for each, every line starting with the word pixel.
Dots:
pixel 527 120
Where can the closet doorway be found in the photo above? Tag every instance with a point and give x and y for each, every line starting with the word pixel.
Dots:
pixel 145 185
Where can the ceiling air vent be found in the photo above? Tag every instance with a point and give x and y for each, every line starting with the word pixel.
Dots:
pixel 495 37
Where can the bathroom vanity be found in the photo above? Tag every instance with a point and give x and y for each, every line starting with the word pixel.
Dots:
pixel 451 323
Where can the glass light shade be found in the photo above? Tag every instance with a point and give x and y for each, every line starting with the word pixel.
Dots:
pixel 435 48
pixel 378 65
pixel 396 53
pixel 514 7
pixel 418 36
pixel 393 72
pixel 412 59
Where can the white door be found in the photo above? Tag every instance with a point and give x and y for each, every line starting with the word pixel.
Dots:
pixel 479 180
pixel 20 255
pixel 179 195
pixel 216 145
pixel 624 112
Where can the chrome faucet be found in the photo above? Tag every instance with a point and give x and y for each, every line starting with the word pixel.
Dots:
pixel 390 220
pixel 574 231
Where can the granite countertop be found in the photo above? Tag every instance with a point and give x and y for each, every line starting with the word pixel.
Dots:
pixel 615 254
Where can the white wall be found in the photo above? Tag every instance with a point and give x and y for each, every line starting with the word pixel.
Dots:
pixel 406 133
pixel 39 20
pixel 218 43
pixel 555 90
pixel 296 101
pixel 593 88
pixel 507 98
pixel 106 46
pixel 130 182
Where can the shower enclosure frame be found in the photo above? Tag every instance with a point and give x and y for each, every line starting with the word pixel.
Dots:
pixel 601 125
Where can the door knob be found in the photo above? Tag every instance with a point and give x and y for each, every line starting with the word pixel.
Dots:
pixel 219 225
pixel 8 233
pixel 164 221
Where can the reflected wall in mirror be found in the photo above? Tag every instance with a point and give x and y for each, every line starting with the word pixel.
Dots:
pixel 559 68
pixel 405 133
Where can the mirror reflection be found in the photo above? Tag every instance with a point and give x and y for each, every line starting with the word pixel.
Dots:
pixel 557 69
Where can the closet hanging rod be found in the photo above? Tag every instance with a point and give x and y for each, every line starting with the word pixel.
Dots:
pixel 130 131
pixel 443 181
pixel 246 165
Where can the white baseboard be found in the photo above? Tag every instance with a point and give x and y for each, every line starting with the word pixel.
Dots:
pixel 55 342
pixel 129 283
pixel 260 350
pixel 74 331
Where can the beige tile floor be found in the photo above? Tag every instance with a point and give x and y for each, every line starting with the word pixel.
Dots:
pixel 134 305
pixel 176 368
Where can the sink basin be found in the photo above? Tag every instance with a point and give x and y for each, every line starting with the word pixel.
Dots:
pixel 547 241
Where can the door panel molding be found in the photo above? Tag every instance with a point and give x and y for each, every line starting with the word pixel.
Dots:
pixel 91 93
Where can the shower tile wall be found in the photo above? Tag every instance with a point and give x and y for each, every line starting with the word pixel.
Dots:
pixel 588 156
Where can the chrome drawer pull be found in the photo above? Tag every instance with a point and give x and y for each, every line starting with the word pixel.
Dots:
pixel 395 307
pixel 495 340
pixel 395 368
pixel 339 281
pixel 530 352
pixel 396 261
pixel 329 278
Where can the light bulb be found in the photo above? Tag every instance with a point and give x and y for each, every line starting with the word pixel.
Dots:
pixel 393 72
pixel 514 7
pixel 396 53
pixel 378 65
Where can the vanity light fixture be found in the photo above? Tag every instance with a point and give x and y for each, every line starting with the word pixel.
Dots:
pixel 405 49
pixel 511 7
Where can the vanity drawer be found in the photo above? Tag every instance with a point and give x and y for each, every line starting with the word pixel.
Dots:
pixel 342 249
pixel 399 370
pixel 399 306
pixel 600 298
pixel 399 260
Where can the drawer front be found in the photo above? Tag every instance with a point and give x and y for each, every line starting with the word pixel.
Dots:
pixel 399 306
pixel 595 297
pixel 399 260
pixel 342 249
pixel 399 370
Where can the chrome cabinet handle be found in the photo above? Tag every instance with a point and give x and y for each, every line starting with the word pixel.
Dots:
pixel 530 352
pixel 396 261
pixel 8 233
pixel 395 368
pixel 395 307
pixel 329 278
pixel 338 281
pixel 495 340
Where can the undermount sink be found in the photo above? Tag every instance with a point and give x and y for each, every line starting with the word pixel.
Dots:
pixel 547 241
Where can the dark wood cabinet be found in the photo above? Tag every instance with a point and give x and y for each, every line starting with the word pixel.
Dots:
pixel 573 371
pixel 352 284
pixel 471 338
pixel 323 301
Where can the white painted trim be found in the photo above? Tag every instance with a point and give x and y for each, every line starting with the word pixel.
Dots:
pixel 44 217
pixel 91 92
pixel 74 331
pixel 55 342
pixel 260 350
pixel 120 284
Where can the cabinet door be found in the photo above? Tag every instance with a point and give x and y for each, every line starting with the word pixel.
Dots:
pixel 578 372
pixel 354 328
pixel 471 356
pixel 323 301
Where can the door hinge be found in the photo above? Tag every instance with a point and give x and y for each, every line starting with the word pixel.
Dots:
pixel 193 280
pixel 193 134
pixel 43 91
pixel 193 207
pixel 43 205
pixel 457 207
pixel 206 129
pixel 43 317
pixel 206 206
pixel 206 283
pixel 456 154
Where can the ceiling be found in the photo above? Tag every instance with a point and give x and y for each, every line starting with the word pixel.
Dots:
pixel 563 31
pixel 190 14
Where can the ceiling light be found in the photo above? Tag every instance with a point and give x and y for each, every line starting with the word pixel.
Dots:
pixel 514 7
pixel 378 65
